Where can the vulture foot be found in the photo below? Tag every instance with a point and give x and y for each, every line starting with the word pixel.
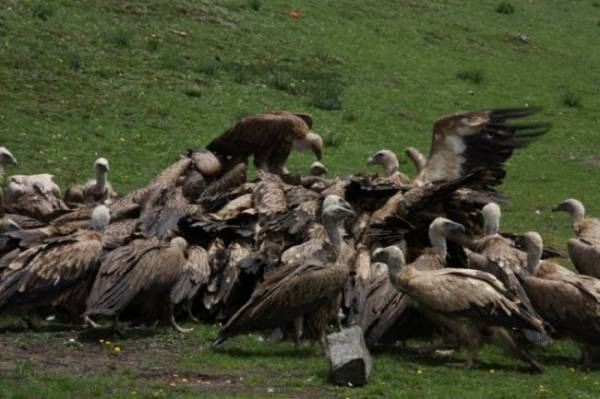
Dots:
pixel 191 314
pixel 88 322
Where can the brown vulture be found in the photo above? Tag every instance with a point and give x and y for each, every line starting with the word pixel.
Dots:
pixel 389 162
pixel 306 288
pixel 96 191
pixel 584 250
pixel 469 303
pixel 57 273
pixel 270 138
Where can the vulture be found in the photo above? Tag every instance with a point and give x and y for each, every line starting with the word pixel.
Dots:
pixel 307 287
pixel 569 302
pixel 270 138
pixel 58 272
pixel 147 272
pixel 6 158
pixel 36 196
pixel 584 250
pixel 96 191
pixel 389 162
pixel 469 303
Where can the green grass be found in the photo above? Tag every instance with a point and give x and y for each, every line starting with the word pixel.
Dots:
pixel 141 81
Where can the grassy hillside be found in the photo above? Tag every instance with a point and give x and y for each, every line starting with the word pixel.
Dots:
pixel 141 81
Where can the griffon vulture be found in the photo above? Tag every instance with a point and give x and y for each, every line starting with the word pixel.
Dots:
pixel 57 273
pixel 468 303
pixel 144 271
pixel 584 250
pixel 569 302
pixel 37 196
pixel 269 137
pixel 389 162
pixel 6 158
pixel 96 191
pixel 301 289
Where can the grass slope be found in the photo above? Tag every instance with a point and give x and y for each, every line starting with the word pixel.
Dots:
pixel 141 81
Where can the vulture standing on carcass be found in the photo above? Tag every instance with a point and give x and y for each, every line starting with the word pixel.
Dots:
pixel 469 303
pixel 298 290
pixel 57 273
pixel 145 272
pixel 270 138
pixel 569 302
pixel 96 191
pixel 6 158
pixel 36 196
pixel 584 250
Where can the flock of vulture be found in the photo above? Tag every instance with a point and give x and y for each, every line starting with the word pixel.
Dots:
pixel 295 255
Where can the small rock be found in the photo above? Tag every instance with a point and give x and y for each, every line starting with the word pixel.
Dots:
pixel 351 362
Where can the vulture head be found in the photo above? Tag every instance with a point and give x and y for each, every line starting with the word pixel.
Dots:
pixel 179 242
pixel 206 162
pixel 441 228
pixel 572 206
pixel 332 200
pixel 386 159
pixel 318 169
pixel 101 165
pixel 6 157
pixel 336 208
pixel 392 256
pixel 100 218
pixel 533 244
pixel 491 218
pixel 311 141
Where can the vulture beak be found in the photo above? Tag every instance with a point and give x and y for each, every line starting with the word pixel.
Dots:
pixel 559 207
pixel 316 149
pixel 370 161
pixel 378 255
pixel 348 209
pixel 12 160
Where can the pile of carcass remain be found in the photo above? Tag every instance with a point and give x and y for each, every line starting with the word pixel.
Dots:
pixel 303 254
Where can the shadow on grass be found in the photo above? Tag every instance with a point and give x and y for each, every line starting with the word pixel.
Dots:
pixel 276 352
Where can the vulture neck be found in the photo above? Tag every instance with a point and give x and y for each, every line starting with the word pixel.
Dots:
pixel 333 232
pixel 101 178
pixel 391 168
pixel 438 241
pixel 577 213
pixel 491 226
pixel 395 266
pixel 534 256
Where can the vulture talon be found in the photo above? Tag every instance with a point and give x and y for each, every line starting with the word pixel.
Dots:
pixel 88 322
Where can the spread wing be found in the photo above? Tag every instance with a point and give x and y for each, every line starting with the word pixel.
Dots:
pixel 473 139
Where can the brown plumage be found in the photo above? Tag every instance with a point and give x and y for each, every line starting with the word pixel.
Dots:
pixel 143 271
pixel 290 292
pixel 467 302
pixel 477 139
pixel 269 137
pixel 36 196
pixel 416 157
pixel 584 250
pixel 57 272
pixel 569 302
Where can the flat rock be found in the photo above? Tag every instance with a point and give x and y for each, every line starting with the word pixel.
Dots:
pixel 351 362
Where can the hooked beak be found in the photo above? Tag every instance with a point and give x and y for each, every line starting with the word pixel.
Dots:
pixel 370 161
pixel 12 160
pixel 558 208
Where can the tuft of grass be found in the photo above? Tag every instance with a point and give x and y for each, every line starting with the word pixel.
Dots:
pixel 349 117
pixel 74 62
pixel 153 44
pixel 255 4
pixel 193 92
pixel 332 139
pixel 572 100
pixel 475 76
pixel 327 97
pixel 42 10
pixel 505 8
pixel 119 38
